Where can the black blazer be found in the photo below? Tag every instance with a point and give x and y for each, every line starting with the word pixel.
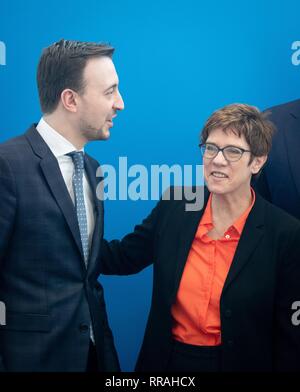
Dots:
pixel 50 296
pixel 262 283
pixel 279 182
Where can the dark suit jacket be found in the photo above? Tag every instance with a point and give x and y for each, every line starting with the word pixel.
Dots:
pixel 262 283
pixel 50 296
pixel 280 180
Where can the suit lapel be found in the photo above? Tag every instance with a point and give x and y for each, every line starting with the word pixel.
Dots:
pixel 53 176
pixel 292 136
pixel 251 236
pixel 59 190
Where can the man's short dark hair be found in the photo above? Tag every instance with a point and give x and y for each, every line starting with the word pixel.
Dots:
pixel 61 66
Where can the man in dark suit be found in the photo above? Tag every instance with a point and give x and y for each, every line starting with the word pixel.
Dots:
pixel 279 181
pixel 51 222
pixel 225 277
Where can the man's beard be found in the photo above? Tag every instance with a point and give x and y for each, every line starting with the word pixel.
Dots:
pixel 92 133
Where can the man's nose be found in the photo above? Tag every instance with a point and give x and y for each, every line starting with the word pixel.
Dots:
pixel 119 103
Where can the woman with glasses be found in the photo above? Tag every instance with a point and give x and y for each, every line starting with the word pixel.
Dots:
pixel 226 278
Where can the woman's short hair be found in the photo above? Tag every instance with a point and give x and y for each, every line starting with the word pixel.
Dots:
pixel 245 120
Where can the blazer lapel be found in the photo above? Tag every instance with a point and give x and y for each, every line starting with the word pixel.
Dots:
pixel 292 136
pixel 52 173
pixel 189 221
pixel 251 236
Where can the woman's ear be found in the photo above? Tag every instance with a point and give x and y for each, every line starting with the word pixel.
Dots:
pixel 258 163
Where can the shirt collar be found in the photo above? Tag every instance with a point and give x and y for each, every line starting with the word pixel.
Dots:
pixel 59 145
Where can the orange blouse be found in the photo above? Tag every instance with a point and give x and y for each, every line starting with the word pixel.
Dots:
pixel 196 311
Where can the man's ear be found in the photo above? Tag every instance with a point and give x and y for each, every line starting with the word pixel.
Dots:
pixel 69 100
pixel 258 163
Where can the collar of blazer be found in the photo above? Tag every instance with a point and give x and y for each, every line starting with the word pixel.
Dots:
pixel 250 238
pixel 52 173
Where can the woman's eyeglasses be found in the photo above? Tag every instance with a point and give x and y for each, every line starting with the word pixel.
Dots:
pixel 230 153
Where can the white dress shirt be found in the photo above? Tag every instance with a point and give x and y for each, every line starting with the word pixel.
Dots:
pixel 60 147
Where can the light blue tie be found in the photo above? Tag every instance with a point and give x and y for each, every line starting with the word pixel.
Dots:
pixel 78 160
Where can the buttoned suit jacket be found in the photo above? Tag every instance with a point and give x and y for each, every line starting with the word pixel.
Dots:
pixel 51 298
pixel 279 181
pixel 256 301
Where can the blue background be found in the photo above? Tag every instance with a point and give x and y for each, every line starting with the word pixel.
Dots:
pixel 177 62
